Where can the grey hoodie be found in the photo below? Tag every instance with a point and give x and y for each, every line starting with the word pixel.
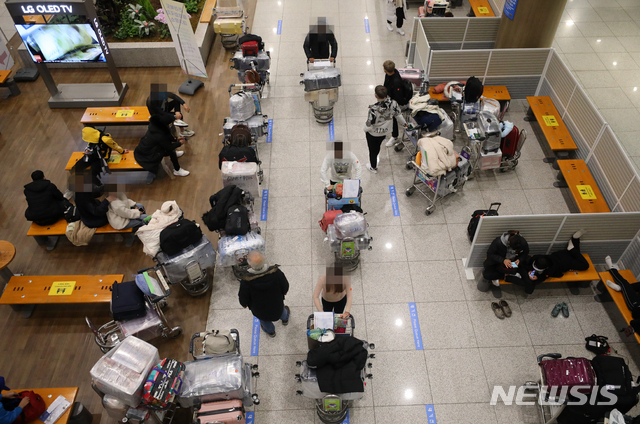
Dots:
pixel 380 118
pixel 511 254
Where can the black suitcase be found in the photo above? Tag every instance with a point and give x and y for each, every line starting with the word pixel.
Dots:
pixel 613 371
pixel 179 235
pixel 127 301
pixel 475 219
pixel 238 154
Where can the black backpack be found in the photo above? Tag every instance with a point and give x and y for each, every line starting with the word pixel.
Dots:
pixel 127 301
pixel 237 221
pixel 407 92
pixel 475 219
pixel 236 153
pixel 179 235
pixel 473 90
pixel 614 371
pixel 597 344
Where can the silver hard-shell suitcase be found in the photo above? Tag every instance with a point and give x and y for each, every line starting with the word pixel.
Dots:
pixel 321 79
pixel 262 62
pixel 489 127
pixel 193 262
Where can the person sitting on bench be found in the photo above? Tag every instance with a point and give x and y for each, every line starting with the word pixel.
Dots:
pixel 504 256
pixel 631 294
pixel 46 203
pixel 163 101
pixel 320 43
pixel 93 212
pixel 541 267
pixel 9 416
pixel 159 142
pixel 124 213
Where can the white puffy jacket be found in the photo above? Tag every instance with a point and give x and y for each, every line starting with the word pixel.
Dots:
pixel 149 234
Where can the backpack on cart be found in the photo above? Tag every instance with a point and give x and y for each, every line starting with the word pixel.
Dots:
pixel 407 92
pixel 240 135
pixel 473 90
pixel 475 219
pixel 179 235
pixel 237 221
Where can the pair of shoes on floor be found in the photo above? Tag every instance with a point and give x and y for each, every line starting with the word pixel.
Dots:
pixel 501 309
pixel 560 307
pixel 372 169
pixel 181 173
pixel 180 123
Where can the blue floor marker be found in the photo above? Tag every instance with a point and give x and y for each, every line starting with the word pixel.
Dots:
pixel 332 132
pixel 394 200
pixel 269 131
pixel 417 337
pixel 279 28
pixel 265 205
pixel 366 25
pixel 431 415
pixel 346 419
pixel 248 418
pixel 255 337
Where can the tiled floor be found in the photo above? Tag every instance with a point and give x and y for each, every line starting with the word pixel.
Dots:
pixel 415 258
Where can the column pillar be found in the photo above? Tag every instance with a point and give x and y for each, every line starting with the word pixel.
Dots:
pixel 534 24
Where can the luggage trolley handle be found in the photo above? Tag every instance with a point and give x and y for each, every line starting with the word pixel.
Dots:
pixel 351 318
pixel 549 355
pixel 164 286
pixel 496 203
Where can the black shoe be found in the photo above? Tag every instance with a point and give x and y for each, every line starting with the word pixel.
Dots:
pixel 289 313
pixel 272 335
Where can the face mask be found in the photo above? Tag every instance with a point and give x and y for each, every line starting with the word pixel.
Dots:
pixel 341 167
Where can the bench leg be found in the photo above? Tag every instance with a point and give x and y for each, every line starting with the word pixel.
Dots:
pixel 529 116
pixel 26 310
pixel 561 183
pixel 6 274
pixel 574 288
pixel 129 239
pixel 13 89
pixel 48 241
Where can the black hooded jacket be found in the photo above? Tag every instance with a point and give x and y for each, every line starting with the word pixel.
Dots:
pixel 320 46
pixel 93 213
pixel 264 293
pixel 157 143
pixel 395 89
pixel 339 365
pixel 46 202
pixel 216 218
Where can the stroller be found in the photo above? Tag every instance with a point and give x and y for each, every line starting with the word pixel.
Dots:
pixel 153 324
pixel 331 408
pixel 218 381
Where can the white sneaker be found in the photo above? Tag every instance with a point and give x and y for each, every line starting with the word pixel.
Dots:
pixel 613 285
pixel 496 283
pixel 179 153
pixel 370 168
pixel 392 142
pixel 389 27
pixel 180 123
pixel 187 133
pixel 181 173
pixel 400 31
pixel 607 260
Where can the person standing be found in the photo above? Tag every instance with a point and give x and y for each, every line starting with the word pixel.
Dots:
pixel 379 124
pixel 159 142
pixel 338 165
pixel 396 12
pixel 320 42
pixel 396 91
pixel 262 290
pixel 333 292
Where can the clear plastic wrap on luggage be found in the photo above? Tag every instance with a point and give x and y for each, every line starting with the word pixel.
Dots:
pixel 146 328
pixel 175 267
pixel 446 127
pixel 322 79
pixel 116 408
pixel 350 224
pixel 241 106
pixel 242 76
pixel 123 370
pixel 262 61
pixel 241 174
pixel 257 125
pixel 489 127
pixel 229 246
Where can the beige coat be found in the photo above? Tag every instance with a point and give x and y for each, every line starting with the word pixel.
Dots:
pixel 149 234
pixel 438 156
pixel 79 234
pixel 120 212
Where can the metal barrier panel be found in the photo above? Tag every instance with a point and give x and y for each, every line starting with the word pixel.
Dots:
pixel 457 64
pixel 630 201
pixel 630 259
pixel 611 157
pixel 498 6
pixel 423 48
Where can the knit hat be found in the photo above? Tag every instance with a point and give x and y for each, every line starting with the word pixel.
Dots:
pixel 37 175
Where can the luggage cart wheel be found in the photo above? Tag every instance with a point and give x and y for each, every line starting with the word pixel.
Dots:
pixel 105 349
pixel 428 212
pixel 372 346
pixel 408 165
pixel 298 363
pixel 255 374
pixel 175 332
pixel 398 147
pixel 410 191
pixel 299 392
pixel 256 400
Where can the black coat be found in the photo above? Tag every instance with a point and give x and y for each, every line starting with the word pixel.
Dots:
pixel 497 253
pixel 339 365
pixel 93 213
pixel 216 218
pixel 157 143
pixel 320 46
pixel 393 84
pixel 157 105
pixel 264 293
pixel 46 202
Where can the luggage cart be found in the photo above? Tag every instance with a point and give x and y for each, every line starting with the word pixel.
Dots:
pixel 507 162
pixel 349 329
pixel 229 22
pixel 551 406
pixel 153 324
pixel 143 413
pixel 322 100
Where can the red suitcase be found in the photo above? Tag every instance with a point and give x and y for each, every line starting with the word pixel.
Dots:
pixel 224 411
pixel 509 144
pixel 568 372
pixel 250 48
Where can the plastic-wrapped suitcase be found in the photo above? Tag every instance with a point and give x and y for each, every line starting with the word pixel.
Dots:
pixel 446 127
pixel 257 124
pixel 230 247
pixel 352 224
pixel 416 76
pixel 568 372
pixel 489 129
pixel 242 77
pixel 222 377
pixel 179 267
pixel 334 239
pixel 223 411
pixel 491 105
pixel 321 79
pixel 241 106
pixel 311 388
pixel 228 25
pixel 241 174
pixel 262 61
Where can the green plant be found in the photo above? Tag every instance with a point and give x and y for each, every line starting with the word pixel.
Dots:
pixel 164 30
pixel 127 28
pixel 145 27
pixel 149 11
pixel 134 11
pixel 191 6
pixel 108 12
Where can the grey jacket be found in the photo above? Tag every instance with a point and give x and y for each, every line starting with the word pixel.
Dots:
pixel 380 118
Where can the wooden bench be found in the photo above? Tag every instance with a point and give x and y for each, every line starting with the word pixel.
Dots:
pixel 498 92
pixel 575 174
pixel 617 297
pixel 115 116
pixel 481 8
pixel 207 11
pixel 573 276
pixel 49 395
pixel 127 162
pixel 48 235
pixel 22 293
pixel 5 81
pixel 553 127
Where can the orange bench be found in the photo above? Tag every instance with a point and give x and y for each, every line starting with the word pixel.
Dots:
pixel 573 276
pixel 48 235
pixel 22 293
pixel 552 125
pixel 5 81
pixel 481 8
pixel 126 163
pixel 51 394
pixel 114 116
pixel 497 92
pixel 584 189
pixel 617 297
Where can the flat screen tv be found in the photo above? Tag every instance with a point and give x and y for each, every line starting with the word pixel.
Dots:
pixel 61 43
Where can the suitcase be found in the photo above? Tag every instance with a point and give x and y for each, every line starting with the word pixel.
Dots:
pixel 416 76
pixel 257 124
pixel 321 79
pixel 231 153
pixel 192 261
pixel 568 372
pixel 261 60
pixel 231 248
pixel 509 144
pixel 242 106
pixel 264 77
pixel 223 411
pixel 222 377
pixel 352 224
pixel 241 174
pixel 446 127
pixel 490 160
pixel 127 301
pixel 489 127
pixel 249 48
pixel 475 219
pixel 491 105
pixel 311 388
pixel 228 25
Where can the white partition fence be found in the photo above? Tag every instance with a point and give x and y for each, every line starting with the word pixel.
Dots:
pixel 497 6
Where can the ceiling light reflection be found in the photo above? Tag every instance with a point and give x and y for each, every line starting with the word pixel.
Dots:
pixel 388 245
